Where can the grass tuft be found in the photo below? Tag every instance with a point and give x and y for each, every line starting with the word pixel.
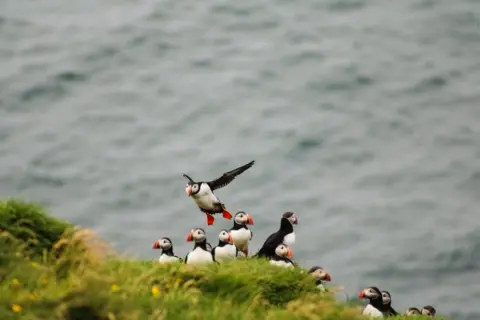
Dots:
pixel 52 270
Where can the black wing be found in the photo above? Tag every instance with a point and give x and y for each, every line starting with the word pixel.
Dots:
pixel 189 179
pixel 186 258
pixel 228 177
pixel 269 246
pixel 392 311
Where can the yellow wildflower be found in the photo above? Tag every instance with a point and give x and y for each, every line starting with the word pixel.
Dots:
pixel 16 308
pixel 155 291
pixel 44 281
pixel 115 288
pixel 15 282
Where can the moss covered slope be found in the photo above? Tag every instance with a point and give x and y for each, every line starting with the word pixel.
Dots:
pixel 49 270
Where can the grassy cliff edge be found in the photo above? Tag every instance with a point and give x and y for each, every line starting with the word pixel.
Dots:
pixel 51 270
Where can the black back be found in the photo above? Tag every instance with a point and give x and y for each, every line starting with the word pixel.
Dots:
pixel 275 239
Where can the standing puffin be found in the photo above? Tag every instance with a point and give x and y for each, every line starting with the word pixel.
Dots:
pixel 387 304
pixel 199 254
pixel 284 235
pixel 241 235
pixel 428 311
pixel 202 192
pixel 373 309
pixel 282 257
pixel 320 276
pixel 167 250
pixel 412 311
pixel 225 250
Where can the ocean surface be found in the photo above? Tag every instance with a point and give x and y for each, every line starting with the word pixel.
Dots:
pixel 363 117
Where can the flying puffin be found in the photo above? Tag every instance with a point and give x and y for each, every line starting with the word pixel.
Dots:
pixel 167 250
pixel 428 311
pixel 282 257
pixel 199 254
pixel 284 235
pixel 202 192
pixel 241 235
pixel 373 309
pixel 387 304
pixel 412 311
pixel 225 250
pixel 320 276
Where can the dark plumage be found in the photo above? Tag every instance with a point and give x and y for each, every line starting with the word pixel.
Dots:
pixel 277 238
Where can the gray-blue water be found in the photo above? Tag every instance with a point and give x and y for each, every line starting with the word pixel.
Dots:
pixel 362 116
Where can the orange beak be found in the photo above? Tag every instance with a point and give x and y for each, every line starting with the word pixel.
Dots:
pixel 230 239
pixel 250 220
pixel 295 221
pixel 289 253
pixel 327 277
pixel 156 245
pixel 188 190
pixel 361 295
pixel 190 237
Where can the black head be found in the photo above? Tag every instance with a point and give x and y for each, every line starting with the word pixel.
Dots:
pixel 319 273
pixel 197 235
pixel 192 188
pixel 242 218
pixel 387 298
pixel 283 251
pixel 373 294
pixel 225 236
pixel 428 311
pixel 292 217
pixel 412 311
pixel 164 243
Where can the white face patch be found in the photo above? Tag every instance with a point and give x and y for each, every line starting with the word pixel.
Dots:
pixel 165 244
pixel 223 236
pixel 198 235
pixel 281 251
pixel 370 293
pixel 240 218
pixel 386 298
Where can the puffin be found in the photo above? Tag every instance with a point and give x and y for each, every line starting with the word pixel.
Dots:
pixel 165 244
pixel 373 309
pixel 320 276
pixel 225 250
pixel 412 311
pixel 199 253
pixel 241 235
pixel 387 304
pixel 428 311
pixel 285 235
pixel 202 193
pixel 282 257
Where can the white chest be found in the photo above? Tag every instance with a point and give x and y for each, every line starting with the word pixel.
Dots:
pixel 205 198
pixel 227 252
pixel 371 311
pixel 199 256
pixel 289 239
pixel 241 238
pixel 167 258
pixel 281 263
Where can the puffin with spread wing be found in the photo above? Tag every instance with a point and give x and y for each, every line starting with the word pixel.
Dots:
pixel 202 192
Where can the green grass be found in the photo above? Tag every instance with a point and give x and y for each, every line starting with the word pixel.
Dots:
pixel 50 270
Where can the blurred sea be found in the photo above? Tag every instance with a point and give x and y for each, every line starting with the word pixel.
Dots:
pixel 362 115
